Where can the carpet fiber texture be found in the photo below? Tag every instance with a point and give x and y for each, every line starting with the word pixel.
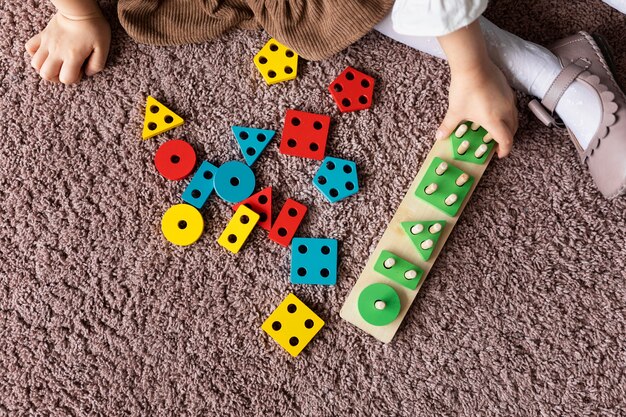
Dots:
pixel 522 315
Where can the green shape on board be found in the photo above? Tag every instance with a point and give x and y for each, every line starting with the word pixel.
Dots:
pixel 400 272
pixel 475 138
pixel 367 304
pixel 419 239
pixel 446 185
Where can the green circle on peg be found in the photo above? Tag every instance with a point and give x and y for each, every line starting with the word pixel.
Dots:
pixel 379 304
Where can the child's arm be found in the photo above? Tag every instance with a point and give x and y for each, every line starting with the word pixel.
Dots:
pixel 77 35
pixel 478 90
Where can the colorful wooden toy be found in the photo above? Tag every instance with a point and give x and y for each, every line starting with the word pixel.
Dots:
pixel 305 134
pixel 175 159
pixel 252 141
pixel 201 185
pixel 287 222
pixel 445 186
pixel 292 325
pixel 424 235
pixel 378 303
pixel 313 261
pixel 234 181
pixel 238 229
pixel 399 270
pixel 182 224
pixel 471 143
pixel 260 203
pixel 336 179
pixel 352 90
pixel 276 62
pixel 158 119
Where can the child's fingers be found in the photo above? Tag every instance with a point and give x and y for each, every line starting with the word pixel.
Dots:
pixel 70 71
pixel 33 44
pixel 39 58
pixel 501 134
pixel 96 61
pixel 450 122
pixel 50 69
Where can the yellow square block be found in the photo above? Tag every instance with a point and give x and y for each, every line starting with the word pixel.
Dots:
pixel 292 325
pixel 276 62
pixel 238 229
pixel 158 119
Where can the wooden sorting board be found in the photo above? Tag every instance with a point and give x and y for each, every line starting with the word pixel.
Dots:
pixel 411 208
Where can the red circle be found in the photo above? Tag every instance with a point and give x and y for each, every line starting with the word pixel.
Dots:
pixel 175 159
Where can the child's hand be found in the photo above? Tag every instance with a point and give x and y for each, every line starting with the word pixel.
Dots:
pixel 62 48
pixel 482 95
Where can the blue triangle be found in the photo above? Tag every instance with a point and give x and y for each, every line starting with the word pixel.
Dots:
pixel 252 141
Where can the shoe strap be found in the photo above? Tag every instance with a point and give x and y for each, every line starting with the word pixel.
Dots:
pixel 545 110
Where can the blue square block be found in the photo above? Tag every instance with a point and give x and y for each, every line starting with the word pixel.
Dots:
pixel 336 179
pixel 313 261
pixel 201 185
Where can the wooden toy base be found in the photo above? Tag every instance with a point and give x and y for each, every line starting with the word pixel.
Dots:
pixel 395 240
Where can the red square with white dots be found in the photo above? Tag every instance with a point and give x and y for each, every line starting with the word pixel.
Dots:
pixel 305 134
pixel 352 90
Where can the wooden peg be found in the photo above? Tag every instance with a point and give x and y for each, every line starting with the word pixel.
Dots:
pixel 417 229
pixel 427 244
pixel 461 130
pixel 463 147
pixel 451 199
pixel 431 188
pixel 441 168
pixel 481 151
pixel 435 228
pixel 463 178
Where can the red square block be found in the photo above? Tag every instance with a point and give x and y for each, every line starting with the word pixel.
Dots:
pixel 352 90
pixel 261 204
pixel 287 222
pixel 305 134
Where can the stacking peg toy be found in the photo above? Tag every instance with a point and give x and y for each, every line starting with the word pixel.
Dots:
pixel 276 62
pixel 182 224
pixel 305 134
pixel 175 159
pixel 287 222
pixel 252 141
pixel 431 207
pixel 158 119
pixel 292 325
pixel 201 185
pixel 234 181
pixel 238 229
pixel 260 203
pixel 471 143
pixel 313 261
pixel 336 179
pixel 352 90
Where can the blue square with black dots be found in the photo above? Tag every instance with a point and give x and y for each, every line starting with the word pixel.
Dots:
pixel 313 261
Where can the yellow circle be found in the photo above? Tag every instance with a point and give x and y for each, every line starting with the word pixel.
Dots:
pixel 182 224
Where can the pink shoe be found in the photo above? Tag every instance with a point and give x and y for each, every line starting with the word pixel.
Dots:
pixel 583 60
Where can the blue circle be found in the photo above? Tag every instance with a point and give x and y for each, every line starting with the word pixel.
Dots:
pixel 234 181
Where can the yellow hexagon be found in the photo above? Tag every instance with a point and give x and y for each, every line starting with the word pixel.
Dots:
pixel 276 62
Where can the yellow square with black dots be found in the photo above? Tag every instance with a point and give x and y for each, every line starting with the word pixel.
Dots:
pixel 292 325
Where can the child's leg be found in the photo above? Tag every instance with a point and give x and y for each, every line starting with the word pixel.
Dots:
pixel 617 4
pixel 529 68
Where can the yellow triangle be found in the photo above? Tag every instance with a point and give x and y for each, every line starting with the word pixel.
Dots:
pixel 158 119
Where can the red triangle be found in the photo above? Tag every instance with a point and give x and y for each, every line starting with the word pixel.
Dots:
pixel 262 209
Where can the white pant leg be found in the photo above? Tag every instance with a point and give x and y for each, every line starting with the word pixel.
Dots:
pixel 617 4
